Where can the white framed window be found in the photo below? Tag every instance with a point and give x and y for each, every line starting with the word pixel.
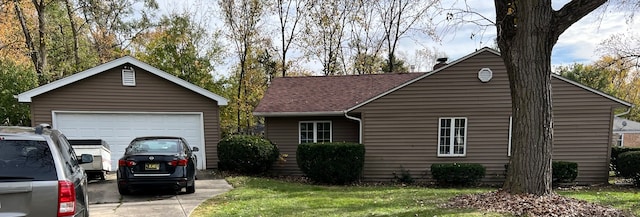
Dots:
pixel 314 131
pixel 510 134
pixel 620 141
pixel 452 137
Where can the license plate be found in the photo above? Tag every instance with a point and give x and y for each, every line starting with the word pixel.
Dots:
pixel 152 166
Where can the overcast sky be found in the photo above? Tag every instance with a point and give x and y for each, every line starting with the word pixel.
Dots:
pixel 577 45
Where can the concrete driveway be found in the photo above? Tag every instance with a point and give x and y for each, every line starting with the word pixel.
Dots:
pixel 104 200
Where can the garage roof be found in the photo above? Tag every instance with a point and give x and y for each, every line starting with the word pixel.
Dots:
pixel 27 96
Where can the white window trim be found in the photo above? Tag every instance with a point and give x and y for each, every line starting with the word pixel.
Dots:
pixel 510 134
pixel 315 130
pixel 621 139
pixel 466 137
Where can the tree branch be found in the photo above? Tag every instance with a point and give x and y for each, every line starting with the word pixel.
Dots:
pixel 571 13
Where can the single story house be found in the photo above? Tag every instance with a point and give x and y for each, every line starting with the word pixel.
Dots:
pixel 460 112
pixel 126 98
pixel 626 133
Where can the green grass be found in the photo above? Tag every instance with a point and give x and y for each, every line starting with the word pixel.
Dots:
pixel 622 198
pixel 266 197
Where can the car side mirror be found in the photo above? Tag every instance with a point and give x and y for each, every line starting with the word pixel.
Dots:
pixel 86 158
pixel 195 149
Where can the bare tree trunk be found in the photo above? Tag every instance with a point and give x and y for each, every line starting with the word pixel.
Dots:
pixel 239 102
pixel 42 46
pixel 242 20
pixel 285 18
pixel 74 31
pixel 527 33
pixel 27 36
pixel 398 17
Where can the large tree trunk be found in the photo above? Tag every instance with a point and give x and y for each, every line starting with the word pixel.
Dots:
pixel 527 32
pixel 528 62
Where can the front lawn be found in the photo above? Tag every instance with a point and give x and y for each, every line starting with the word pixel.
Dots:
pixel 622 198
pixel 267 197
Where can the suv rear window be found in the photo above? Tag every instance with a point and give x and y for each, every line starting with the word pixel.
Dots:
pixel 26 160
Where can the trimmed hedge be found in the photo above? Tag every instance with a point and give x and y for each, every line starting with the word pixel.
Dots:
pixel 615 152
pixel 629 166
pixel 246 154
pixel 331 163
pixel 564 172
pixel 455 174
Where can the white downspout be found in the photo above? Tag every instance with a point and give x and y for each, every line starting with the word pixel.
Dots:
pixel 624 113
pixel 359 125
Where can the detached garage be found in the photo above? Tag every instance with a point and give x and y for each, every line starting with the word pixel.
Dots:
pixel 126 98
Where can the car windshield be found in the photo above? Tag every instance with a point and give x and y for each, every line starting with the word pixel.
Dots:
pixel 154 146
pixel 26 160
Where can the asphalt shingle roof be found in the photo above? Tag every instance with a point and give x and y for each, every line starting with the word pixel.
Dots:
pixel 327 93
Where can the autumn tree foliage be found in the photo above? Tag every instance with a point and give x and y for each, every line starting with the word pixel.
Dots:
pixel 243 19
pixel 12 45
pixel 176 45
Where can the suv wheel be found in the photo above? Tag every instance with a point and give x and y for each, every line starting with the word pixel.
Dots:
pixel 191 189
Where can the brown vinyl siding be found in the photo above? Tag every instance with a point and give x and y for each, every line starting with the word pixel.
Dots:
pixel 406 121
pixel 582 130
pixel 401 128
pixel 283 131
pixel 105 92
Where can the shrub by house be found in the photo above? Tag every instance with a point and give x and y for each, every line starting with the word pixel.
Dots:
pixel 456 174
pixel 331 163
pixel 246 154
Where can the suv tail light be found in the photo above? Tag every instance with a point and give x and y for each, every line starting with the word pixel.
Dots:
pixel 128 163
pixel 66 198
pixel 181 162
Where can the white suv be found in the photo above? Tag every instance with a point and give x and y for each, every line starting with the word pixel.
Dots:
pixel 40 174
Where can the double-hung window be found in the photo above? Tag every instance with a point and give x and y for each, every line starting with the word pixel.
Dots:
pixel 452 137
pixel 620 141
pixel 314 131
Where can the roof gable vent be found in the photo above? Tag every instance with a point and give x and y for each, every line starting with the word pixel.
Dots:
pixel 485 75
pixel 128 77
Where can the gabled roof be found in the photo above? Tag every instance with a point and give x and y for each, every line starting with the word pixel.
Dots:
pixel 334 95
pixel 27 96
pixel 621 125
pixel 495 52
pixel 325 95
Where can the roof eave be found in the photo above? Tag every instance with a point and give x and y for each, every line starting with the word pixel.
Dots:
pixel 28 95
pixel 612 98
pixel 424 76
pixel 495 52
pixel 626 131
pixel 291 114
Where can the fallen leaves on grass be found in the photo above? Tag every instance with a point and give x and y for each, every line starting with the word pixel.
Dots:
pixel 531 205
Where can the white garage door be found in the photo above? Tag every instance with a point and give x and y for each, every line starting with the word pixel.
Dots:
pixel 118 129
